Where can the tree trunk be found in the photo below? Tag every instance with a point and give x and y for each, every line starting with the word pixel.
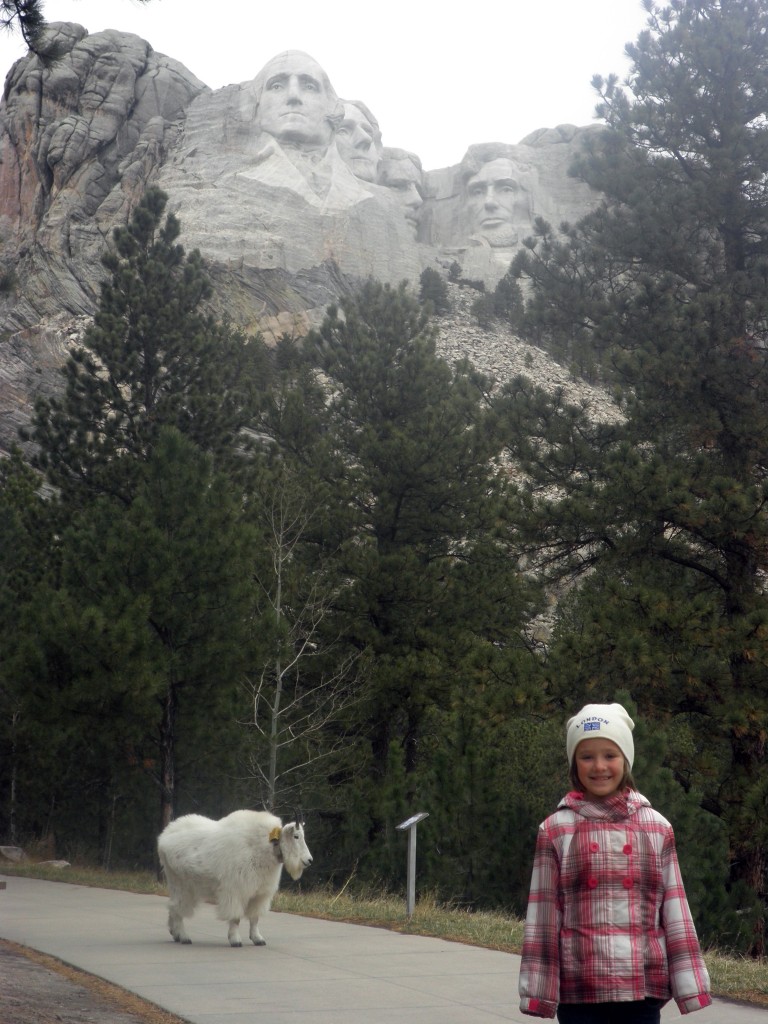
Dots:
pixel 168 757
pixel 747 743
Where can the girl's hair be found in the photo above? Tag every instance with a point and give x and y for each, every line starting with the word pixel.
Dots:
pixel 627 782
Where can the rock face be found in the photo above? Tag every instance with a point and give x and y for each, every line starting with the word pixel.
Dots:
pixel 79 142
pixel 481 210
pixel 284 187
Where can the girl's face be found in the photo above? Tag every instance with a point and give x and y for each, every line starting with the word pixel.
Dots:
pixel 600 767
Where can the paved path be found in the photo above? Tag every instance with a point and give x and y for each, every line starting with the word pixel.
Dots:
pixel 311 972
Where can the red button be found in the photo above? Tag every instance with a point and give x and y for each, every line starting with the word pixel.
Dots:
pixel 628 849
pixel 593 847
pixel 627 883
pixel 592 883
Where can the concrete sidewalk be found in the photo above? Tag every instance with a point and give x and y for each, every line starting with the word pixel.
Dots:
pixel 310 972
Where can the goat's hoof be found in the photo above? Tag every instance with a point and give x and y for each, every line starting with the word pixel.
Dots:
pixel 236 945
pixel 259 942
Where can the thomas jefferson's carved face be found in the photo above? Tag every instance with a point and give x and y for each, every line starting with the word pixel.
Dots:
pixel 404 178
pixel 295 103
pixel 497 204
pixel 356 141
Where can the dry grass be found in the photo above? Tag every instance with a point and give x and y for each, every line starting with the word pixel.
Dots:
pixel 733 977
pixel 492 931
pixel 738 977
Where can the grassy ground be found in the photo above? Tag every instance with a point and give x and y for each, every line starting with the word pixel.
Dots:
pixel 732 977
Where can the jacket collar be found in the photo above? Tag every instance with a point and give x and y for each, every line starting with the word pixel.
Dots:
pixel 618 807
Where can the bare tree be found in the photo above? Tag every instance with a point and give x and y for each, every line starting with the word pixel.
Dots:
pixel 299 694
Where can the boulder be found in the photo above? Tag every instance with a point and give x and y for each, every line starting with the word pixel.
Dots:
pixel 13 853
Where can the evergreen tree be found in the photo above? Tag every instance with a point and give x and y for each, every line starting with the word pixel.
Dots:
pixel 504 303
pixel 143 450
pixel 665 285
pixel 504 771
pixel 432 288
pixel 28 17
pixel 150 359
pixel 27 528
pixel 433 594
pixel 150 627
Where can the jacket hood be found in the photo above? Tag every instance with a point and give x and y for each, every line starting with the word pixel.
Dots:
pixel 618 807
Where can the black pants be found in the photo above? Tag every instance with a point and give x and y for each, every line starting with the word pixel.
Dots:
pixel 647 1011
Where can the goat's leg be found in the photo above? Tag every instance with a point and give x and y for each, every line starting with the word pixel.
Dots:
pixel 234 932
pixel 176 926
pixel 182 902
pixel 255 935
pixel 257 906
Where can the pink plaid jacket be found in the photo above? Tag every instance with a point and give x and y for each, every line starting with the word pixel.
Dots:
pixel 608 919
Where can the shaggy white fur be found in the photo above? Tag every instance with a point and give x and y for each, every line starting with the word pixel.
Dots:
pixel 236 862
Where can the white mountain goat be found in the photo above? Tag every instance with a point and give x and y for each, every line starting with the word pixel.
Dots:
pixel 236 862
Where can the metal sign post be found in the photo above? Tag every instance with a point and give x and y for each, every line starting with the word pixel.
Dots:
pixel 409 826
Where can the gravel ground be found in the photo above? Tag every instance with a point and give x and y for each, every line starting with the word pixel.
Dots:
pixel 37 989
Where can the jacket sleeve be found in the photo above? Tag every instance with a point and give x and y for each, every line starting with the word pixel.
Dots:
pixel 688 975
pixel 540 966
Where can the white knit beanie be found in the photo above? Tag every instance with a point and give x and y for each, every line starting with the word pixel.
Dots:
pixel 603 722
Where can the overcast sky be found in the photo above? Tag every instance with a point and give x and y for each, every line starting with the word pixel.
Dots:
pixel 439 76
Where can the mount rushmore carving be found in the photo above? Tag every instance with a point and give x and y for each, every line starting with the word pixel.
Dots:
pixel 286 188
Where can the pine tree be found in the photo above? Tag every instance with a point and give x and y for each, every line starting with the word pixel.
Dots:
pixel 150 359
pixel 150 626
pixel 146 451
pixel 433 593
pixel 664 285
pixel 28 17
pixel 27 527
pixel 432 288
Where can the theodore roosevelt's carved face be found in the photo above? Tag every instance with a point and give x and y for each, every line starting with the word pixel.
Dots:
pixel 297 102
pixel 358 142
pixel 497 204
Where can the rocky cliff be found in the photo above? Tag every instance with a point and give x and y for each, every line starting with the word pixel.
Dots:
pixel 286 189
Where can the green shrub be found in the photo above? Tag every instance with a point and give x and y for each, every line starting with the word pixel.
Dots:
pixel 435 290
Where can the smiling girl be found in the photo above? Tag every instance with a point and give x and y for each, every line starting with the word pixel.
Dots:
pixel 609 937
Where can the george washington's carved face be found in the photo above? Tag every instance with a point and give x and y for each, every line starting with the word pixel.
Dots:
pixel 497 204
pixel 296 101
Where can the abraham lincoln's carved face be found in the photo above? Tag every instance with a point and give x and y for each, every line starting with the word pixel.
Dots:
pixel 497 204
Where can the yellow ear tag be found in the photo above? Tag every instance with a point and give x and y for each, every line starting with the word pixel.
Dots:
pixel 274 835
